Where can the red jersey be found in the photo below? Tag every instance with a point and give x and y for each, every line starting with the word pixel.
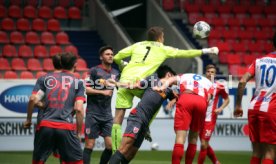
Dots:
pixel 219 90
pixel 264 70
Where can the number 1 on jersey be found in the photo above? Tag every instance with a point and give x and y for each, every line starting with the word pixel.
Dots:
pixel 146 55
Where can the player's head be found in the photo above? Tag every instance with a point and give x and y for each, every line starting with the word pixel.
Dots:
pixel 68 61
pixel 56 62
pixel 165 71
pixel 210 71
pixel 106 55
pixel 274 40
pixel 155 34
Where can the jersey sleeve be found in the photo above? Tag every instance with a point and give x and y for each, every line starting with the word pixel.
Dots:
pixel 251 68
pixel 223 92
pixel 38 85
pixel 80 92
pixel 172 52
pixel 124 53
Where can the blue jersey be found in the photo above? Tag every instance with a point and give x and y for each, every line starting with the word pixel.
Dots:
pixel 99 105
pixel 61 91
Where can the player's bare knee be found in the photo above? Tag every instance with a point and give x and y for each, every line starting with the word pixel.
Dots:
pixel 204 144
pixel 119 116
pixel 89 143
pixel 193 137
pixel 108 144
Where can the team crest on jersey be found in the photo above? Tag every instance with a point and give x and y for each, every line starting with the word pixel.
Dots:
pixel 135 130
pixel 87 131
pixel 113 76
pixel 208 133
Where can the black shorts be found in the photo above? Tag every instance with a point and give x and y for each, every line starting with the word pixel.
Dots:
pixel 66 141
pixel 95 127
pixel 135 129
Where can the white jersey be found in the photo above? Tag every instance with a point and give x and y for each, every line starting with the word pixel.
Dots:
pixel 200 85
pixel 219 90
pixel 264 70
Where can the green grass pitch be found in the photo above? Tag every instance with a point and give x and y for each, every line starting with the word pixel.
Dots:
pixel 142 157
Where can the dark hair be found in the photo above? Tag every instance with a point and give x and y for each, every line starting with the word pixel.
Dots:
pixel 56 61
pixel 154 33
pixel 209 66
pixel 274 40
pixel 102 49
pixel 163 70
pixel 68 60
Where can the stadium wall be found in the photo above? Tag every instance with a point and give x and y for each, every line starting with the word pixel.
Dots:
pixel 230 134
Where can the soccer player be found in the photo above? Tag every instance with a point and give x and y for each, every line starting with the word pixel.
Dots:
pixel 146 57
pixel 65 96
pixel 98 120
pixel 35 100
pixel 262 108
pixel 140 117
pixel 195 91
pixel 210 119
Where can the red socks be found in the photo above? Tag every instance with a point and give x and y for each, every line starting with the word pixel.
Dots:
pixel 265 161
pixel 190 154
pixel 178 152
pixel 202 156
pixel 211 154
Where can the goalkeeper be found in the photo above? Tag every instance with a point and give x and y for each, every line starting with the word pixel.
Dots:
pixel 146 57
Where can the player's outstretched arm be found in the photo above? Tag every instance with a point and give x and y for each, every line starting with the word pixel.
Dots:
pixel 177 53
pixel 78 107
pixel 166 84
pixel 124 53
pixel 91 91
pixel 242 83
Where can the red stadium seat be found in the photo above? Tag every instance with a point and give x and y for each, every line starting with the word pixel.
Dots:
pixel 17 37
pixel 48 3
pixel 224 47
pixel 16 2
pixel 219 22
pixel 74 13
pixel 168 5
pixel 48 64
pixel 3 12
pixel 261 35
pixel 234 59
pixel 14 11
pixel 79 3
pixel 9 51
pixel 18 64
pixel 60 13
pixel 32 38
pixel 229 35
pixel 25 51
pixel 255 47
pixel 45 12
pixel 34 65
pixel 26 75
pixel 77 75
pixel 38 25
pixel 256 9
pixel 267 22
pixel 62 38
pixel 81 65
pixel 234 22
pixel 10 75
pixel 270 10
pixel 55 50
pixel 32 2
pixel 4 39
pixel 5 65
pixel 191 8
pixel 208 9
pixel 29 12
pixel 72 49
pixel 248 59
pixel 225 9
pixel 64 3
pixel 245 34
pixel 251 22
pixel 47 38
pixel 194 17
pixel 53 25
pixel 239 47
pixel 40 52
pixel 239 9
pixel 23 24
pixel 268 47
pixel 40 73
pixel 7 24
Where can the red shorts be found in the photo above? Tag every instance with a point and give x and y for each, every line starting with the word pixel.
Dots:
pixel 207 130
pixel 262 127
pixel 190 112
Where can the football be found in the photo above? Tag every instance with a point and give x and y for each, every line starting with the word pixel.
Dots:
pixel 155 146
pixel 201 30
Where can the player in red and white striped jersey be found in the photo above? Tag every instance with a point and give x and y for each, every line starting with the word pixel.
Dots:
pixel 195 92
pixel 262 109
pixel 211 116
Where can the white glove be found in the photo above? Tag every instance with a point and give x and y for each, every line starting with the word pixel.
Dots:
pixel 211 51
pixel 123 64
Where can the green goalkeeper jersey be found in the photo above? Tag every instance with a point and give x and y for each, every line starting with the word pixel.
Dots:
pixel 146 57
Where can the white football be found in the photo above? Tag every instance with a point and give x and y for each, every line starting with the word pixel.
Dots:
pixel 201 30
pixel 155 146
